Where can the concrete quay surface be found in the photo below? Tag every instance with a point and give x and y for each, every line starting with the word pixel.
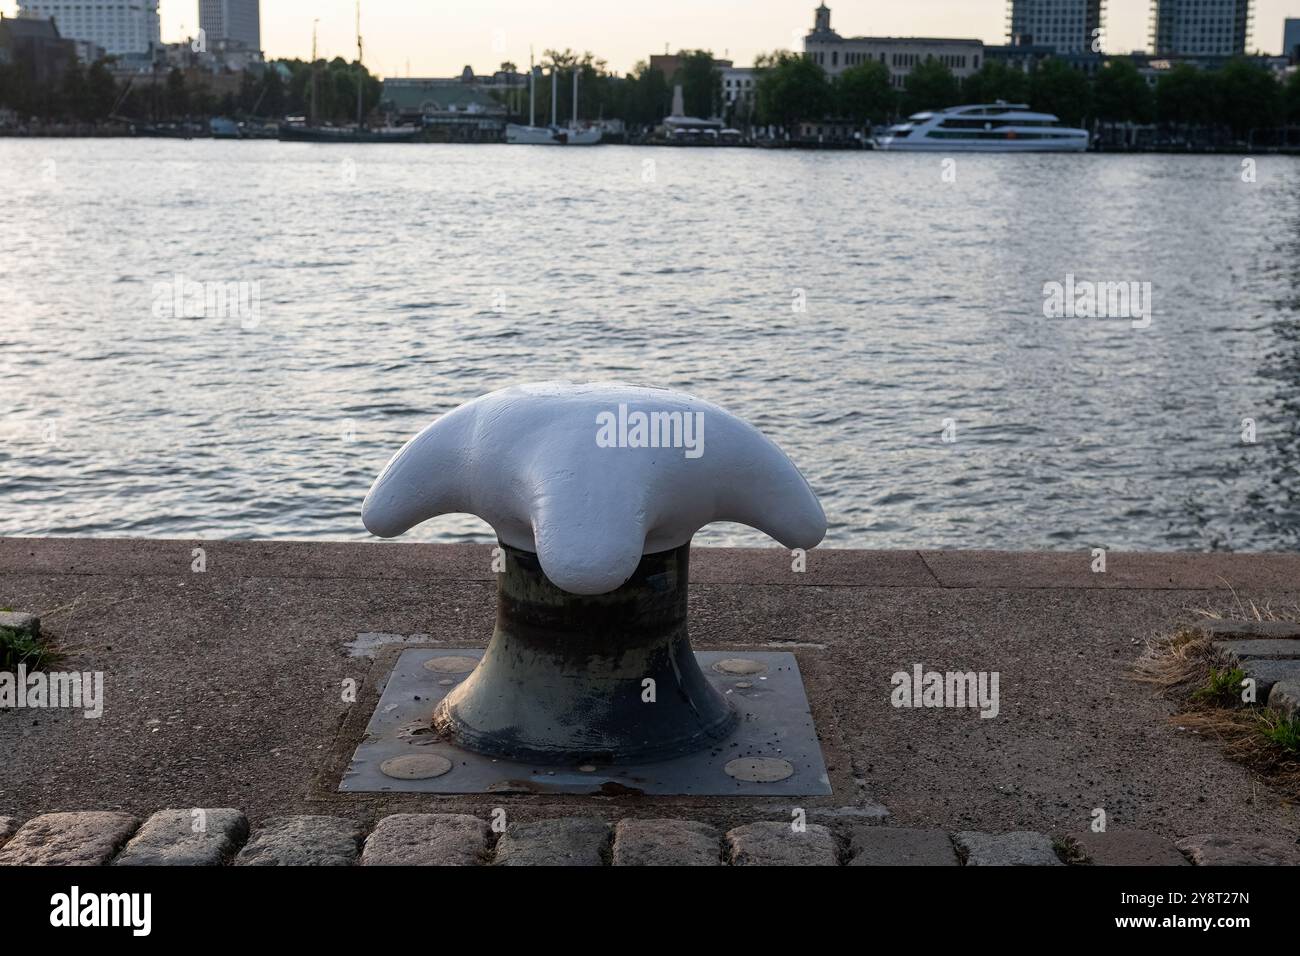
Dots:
pixel 222 687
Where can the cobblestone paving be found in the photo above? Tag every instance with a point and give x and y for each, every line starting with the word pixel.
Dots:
pixel 434 839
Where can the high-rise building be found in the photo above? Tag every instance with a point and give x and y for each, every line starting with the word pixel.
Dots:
pixel 1291 39
pixel 1071 26
pixel 119 26
pixel 237 20
pixel 1200 27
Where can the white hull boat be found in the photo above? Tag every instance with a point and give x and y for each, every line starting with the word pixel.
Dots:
pixel 984 128
pixel 555 134
pixel 551 136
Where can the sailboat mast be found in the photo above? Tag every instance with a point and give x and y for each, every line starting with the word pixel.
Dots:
pixel 312 118
pixel 555 100
pixel 575 97
pixel 532 91
pixel 360 74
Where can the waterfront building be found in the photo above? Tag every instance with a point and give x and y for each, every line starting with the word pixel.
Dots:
pixel 738 83
pixel 1069 26
pixel 834 53
pixel 88 51
pixel 1200 27
pixel 119 26
pixel 451 109
pixel 232 20
pixel 34 46
pixel 1291 40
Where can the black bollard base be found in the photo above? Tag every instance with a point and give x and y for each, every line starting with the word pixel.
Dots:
pixel 607 678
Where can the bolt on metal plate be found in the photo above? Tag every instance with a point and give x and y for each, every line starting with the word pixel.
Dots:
pixel 774 750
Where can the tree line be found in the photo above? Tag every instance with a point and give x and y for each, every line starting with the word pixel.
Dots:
pixel 90 93
pixel 789 88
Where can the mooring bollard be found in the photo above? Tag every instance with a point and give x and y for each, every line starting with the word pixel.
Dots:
pixel 595 492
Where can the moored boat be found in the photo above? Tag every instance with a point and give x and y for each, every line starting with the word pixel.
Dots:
pixel 985 127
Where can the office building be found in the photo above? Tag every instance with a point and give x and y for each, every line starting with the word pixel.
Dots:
pixel 119 26
pixel 1200 27
pixel 231 20
pixel 1068 26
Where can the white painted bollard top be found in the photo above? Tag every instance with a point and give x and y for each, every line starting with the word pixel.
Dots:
pixel 591 477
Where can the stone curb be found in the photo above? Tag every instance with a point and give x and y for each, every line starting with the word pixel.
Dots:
pixel 91 838
pixel 448 839
pixel 195 837
pixel 428 839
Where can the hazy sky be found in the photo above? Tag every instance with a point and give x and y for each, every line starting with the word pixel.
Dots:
pixel 438 37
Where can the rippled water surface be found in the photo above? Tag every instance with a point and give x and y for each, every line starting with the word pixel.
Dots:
pixel 398 281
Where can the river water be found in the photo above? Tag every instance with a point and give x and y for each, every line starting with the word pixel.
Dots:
pixel 880 316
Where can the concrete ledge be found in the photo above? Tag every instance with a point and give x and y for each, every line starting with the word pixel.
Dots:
pixel 826 567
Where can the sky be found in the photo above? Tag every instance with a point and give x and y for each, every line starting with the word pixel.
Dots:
pixel 439 38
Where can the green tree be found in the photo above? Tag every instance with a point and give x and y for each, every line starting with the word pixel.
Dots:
pixel 101 90
pixel 701 83
pixel 864 94
pixel 930 86
pixel 1184 97
pixel 1056 87
pixel 1121 95
pixel 1291 98
pixel 646 97
pixel 1247 97
pixel 790 88
pixel 996 81
pixel 73 101
pixel 177 94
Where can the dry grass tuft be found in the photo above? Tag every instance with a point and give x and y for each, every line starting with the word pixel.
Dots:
pixel 1185 669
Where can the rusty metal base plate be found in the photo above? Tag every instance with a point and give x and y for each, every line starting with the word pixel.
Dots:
pixel 773 751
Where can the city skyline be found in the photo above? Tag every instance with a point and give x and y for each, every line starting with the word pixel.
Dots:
pixel 404 36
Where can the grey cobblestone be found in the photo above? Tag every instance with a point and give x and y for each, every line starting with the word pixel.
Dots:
pixel 1268 673
pixel 88 838
pixel 186 838
pixel 427 839
pixel 1127 848
pixel 567 841
pixel 775 843
pixel 1212 849
pixel 666 843
pixel 1017 848
pixel 21 623
pixel 1285 697
pixel 895 846
pixel 303 841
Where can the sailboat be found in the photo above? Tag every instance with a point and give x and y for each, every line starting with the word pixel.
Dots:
pixel 553 135
pixel 309 132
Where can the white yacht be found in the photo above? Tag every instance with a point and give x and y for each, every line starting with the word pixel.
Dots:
pixel 988 128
